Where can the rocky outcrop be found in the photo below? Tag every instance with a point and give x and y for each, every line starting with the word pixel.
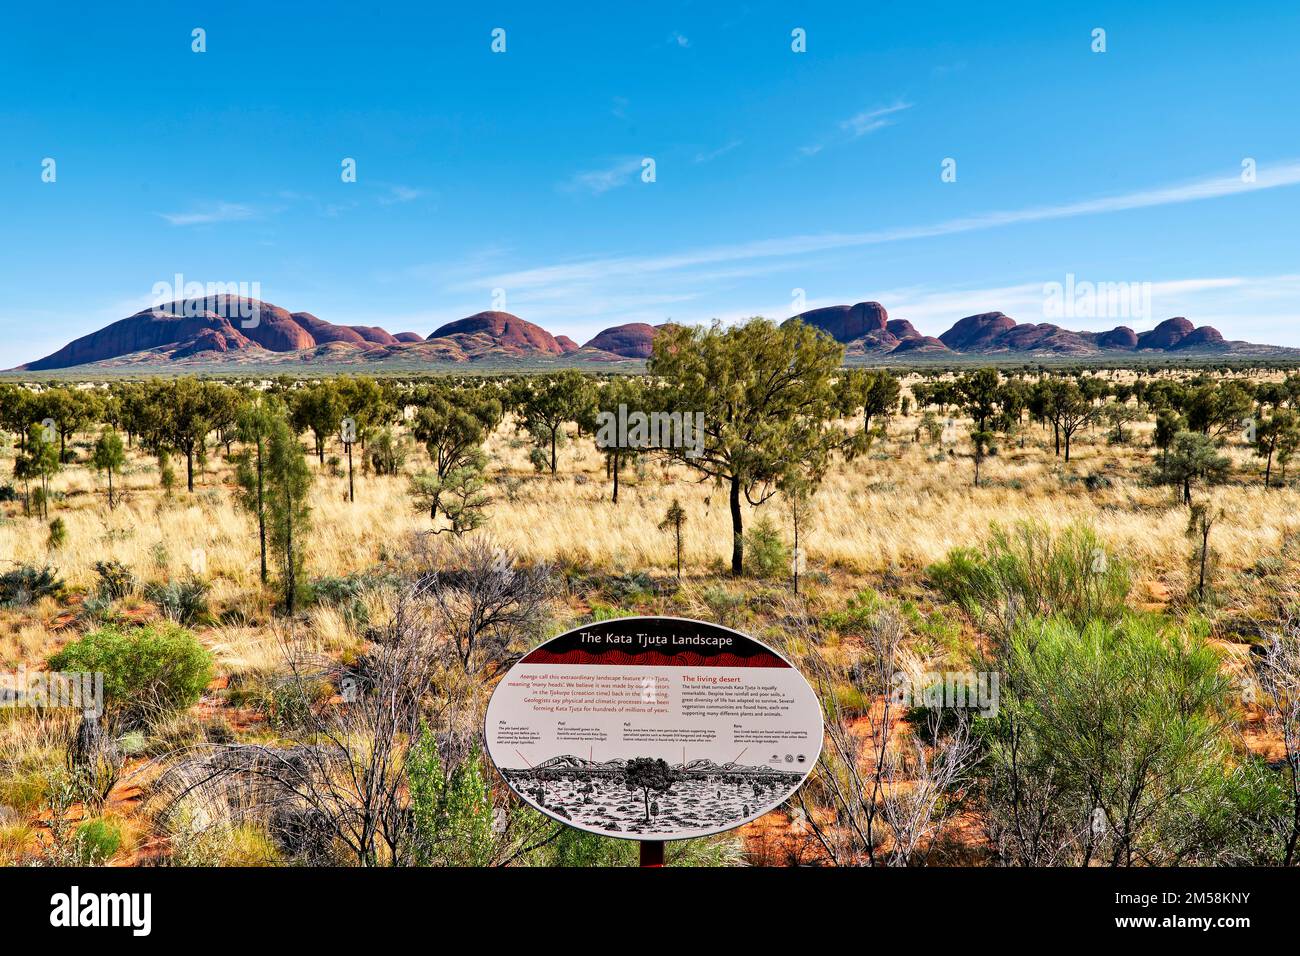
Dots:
pixel 1118 338
pixel 920 345
pixel 866 329
pixel 507 333
pixel 233 330
pixel 845 323
pixel 977 332
pixel 634 340
pixel 1167 334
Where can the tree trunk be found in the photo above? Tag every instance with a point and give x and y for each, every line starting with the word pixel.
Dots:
pixel 1268 468
pixel 1205 550
pixel 795 562
pixel 737 531
pixel 679 550
pixel 616 475
pixel 110 489
pixel 290 585
pixel 189 469
pixel 351 496
pixel 553 431
pixel 261 511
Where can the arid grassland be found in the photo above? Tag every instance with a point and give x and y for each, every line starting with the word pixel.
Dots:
pixel 1136 602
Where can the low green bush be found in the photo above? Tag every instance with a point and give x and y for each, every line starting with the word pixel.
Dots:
pixel 184 601
pixel 155 668
pixel 97 840
pixel 766 554
pixel 27 584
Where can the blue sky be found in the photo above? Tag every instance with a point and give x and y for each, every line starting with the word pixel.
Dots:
pixel 774 170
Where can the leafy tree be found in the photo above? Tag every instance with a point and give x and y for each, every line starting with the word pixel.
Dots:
pixel 387 452
pixel 1120 415
pixel 1074 410
pixel 798 495
pixel 648 774
pixel 41 462
pixel 288 514
pixel 1200 523
pixel 624 392
pixel 767 398
pixel 71 410
pixel 1192 457
pixel 545 405
pixel 459 494
pixel 1279 430
pixel 452 425
pixel 1168 424
pixel 1217 409
pixel 674 518
pixel 109 457
pixel 188 410
pixel 16 411
pixel 58 535
pixel 256 422
pixel 981 397
pixel 363 400
pixel 873 391
pixel 317 407
pixel 768 554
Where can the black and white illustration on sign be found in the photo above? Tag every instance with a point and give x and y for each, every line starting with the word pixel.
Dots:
pixel 654 728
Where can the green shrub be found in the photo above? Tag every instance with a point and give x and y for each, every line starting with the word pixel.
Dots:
pixel 725 607
pixel 452 812
pixel 766 554
pixel 155 668
pixel 858 616
pixel 185 601
pixel 1127 720
pixel 115 580
pixel 26 584
pixel 58 534
pixel 1029 572
pixel 97 840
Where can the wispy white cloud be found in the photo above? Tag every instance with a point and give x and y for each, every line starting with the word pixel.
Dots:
pixel 213 212
pixel 1268 177
pixel 679 40
pixel 710 155
pixel 858 125
pixel 868 121
pixel 401 194
pixel 598 181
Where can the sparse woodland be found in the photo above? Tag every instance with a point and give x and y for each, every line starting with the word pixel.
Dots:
pixel 301 593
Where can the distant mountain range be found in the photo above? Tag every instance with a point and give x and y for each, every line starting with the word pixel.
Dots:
pixel 232 331
pixel 867 329
pixel 702 766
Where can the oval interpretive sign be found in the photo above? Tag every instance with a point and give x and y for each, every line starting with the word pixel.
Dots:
pixel 654 728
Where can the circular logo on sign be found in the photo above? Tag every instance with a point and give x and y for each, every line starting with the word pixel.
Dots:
pixel 654 728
